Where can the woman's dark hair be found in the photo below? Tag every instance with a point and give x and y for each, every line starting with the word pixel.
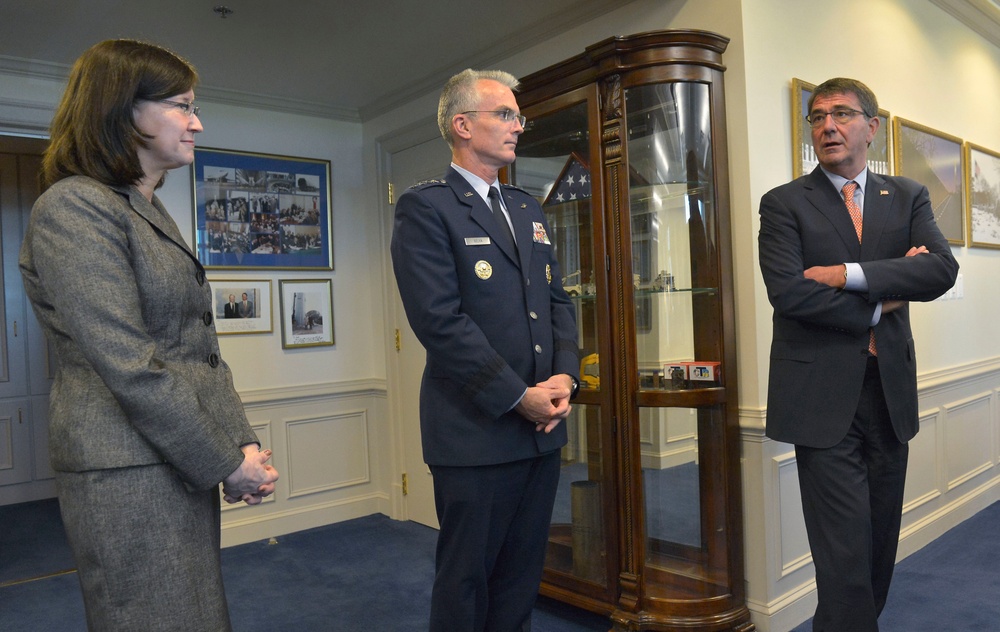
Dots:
pixel 93 132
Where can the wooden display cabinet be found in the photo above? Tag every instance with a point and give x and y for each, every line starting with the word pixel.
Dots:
pixel 625 148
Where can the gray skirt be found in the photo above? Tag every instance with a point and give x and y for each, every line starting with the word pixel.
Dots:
pixel 146 550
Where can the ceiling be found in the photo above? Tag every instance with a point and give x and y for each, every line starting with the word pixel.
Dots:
pixel 343 59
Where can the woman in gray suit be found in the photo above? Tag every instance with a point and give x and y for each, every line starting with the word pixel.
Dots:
pixel 144 419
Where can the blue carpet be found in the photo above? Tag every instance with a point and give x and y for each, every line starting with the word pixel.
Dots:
pixel 950 584
pixel 21 526
pixel 372 573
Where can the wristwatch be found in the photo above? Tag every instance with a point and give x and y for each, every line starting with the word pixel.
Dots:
pixel 575 388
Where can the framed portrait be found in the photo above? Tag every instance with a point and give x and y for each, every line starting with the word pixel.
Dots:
pixel 803 155
pixel 306 313
pixel 934 159
pixel 982 196
pixel 256 211
pixel 242 306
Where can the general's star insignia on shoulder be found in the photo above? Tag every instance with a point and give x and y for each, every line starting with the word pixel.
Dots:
pixel 423 183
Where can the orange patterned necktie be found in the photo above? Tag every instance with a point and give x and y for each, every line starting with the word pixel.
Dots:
pixel 855 212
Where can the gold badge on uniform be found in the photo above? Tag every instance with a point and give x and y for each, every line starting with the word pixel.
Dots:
pixel 483 269
pixel 548 273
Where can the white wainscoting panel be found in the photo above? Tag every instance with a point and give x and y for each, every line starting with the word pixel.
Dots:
pixel 333 461
pixel 791 532
pixel 923 480
pixel 310 468
pixel 968 450
pixel 952 474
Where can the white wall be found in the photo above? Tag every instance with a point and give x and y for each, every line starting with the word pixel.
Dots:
pixel 926 67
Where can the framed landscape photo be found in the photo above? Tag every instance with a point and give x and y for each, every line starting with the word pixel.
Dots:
pixel 256 211
pixel 242 306
pixel 934 159
pixel 982 196
pixel 803 155
pixel 306 313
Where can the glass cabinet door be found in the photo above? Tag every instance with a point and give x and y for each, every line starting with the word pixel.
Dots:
pixel 678 342
pixel 554 164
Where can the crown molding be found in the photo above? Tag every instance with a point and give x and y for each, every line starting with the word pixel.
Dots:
pixel 982 16
pixel 36 69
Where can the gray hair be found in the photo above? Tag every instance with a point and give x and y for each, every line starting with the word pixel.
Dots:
pixel 842 85
pixel 461 95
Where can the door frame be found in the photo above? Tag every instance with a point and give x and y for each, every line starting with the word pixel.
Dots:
pixel 419 132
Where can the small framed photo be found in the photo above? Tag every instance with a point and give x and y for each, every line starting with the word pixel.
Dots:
pixel 934 159
pixel 256 211
pixel 242 306
pixel 982 196
pixel 306 313
pixel 803 154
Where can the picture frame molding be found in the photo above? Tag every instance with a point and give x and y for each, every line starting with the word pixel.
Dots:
pixel 954 237
pixel 289 338
pixel 994 158
pixel 221 287
pixel 300 183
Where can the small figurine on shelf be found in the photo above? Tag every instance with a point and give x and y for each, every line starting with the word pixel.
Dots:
pixel 572 289
pixel 664 282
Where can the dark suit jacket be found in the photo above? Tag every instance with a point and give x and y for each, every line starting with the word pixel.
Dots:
pixel 232 310
pixel 493 321
pixel 820 339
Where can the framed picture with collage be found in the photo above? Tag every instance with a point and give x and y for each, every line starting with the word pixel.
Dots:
pixel 261 211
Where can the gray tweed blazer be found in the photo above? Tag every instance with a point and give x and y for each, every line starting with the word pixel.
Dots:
pixel 128 309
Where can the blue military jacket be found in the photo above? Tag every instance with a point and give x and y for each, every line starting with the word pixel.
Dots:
pixel 493 319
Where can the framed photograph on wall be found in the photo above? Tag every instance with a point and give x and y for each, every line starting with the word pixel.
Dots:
pixel 803 156
pixel 982 196
pixel 934 159
pixel 242 306
pixel 306 313
pixel 256 211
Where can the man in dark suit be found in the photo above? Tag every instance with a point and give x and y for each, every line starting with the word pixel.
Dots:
pixel 500 335
pixel 232 310
pixel 842 384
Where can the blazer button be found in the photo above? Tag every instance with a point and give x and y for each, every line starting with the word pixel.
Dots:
pixel 213 360
pixel 538 348
pixel 200 277
pixel 533 315
pixel 207 317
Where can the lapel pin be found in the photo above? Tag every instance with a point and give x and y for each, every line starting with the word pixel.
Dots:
pixel 468 194
pixel 883 192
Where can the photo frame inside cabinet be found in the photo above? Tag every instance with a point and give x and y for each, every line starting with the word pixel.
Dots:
pixel 306 313
pixel 934 159
pixel 260 211
pixel 880 153
pixel 242 306
pixel 982 196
